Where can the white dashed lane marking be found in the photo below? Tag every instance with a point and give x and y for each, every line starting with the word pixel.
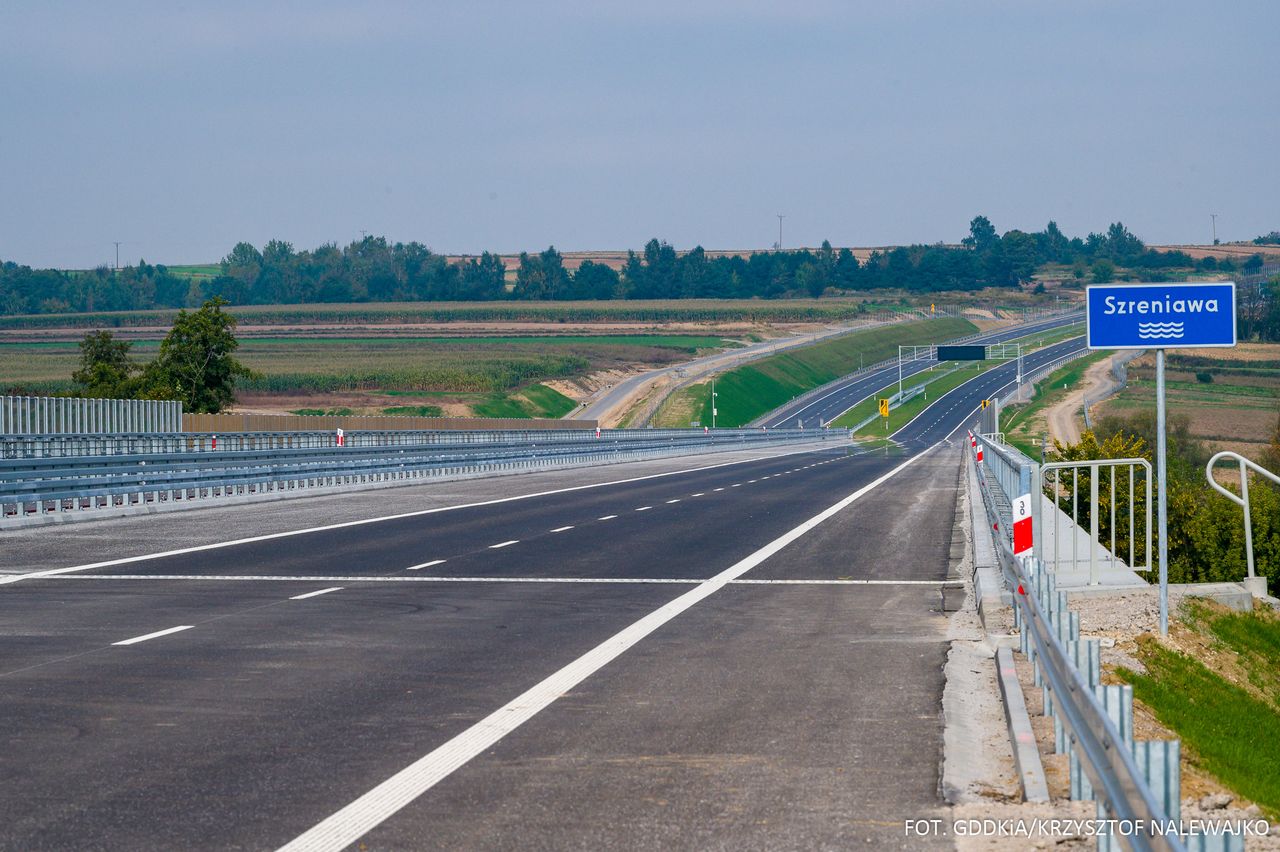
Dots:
pixel 135 640
pixel 425 564
pixel 504 544
pixel 606 518
pixel 303 597
pixel 644 508
pixel 563 529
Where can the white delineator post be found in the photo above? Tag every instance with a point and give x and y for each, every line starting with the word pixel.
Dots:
pixel 1022 525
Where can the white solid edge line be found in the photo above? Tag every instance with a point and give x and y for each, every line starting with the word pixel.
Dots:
pixel 504 544
pixel 425 564
pixel 353 821
pixel 682 581
pixel 317 593
pixel 53 572
pixel 135 640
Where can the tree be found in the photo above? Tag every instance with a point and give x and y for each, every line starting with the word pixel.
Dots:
pixel 1103 271
pixel 105 369
pixel 982 234
pixel 195 364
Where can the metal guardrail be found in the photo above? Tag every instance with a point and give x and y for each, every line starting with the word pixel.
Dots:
pixel 141 474
pixel 1103 759
pixel 53 446
pixel 46 415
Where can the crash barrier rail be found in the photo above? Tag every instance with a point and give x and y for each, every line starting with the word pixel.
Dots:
pixel 57 485
pixel 1116 506
pixel 893 362
pixel 54 446
pixel 1135 783
pixel 1242 500
pixel 49 415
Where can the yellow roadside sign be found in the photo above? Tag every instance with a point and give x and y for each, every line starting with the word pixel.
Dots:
pixel 884 408
pixel 985 403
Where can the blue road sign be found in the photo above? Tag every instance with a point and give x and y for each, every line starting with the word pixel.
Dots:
pixel 1161 316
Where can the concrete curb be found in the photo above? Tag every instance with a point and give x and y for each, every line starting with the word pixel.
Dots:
pixel 1026 754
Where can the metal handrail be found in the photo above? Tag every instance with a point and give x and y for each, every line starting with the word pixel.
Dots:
pixel 1242 499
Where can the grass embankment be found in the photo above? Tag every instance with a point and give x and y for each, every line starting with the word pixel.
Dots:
pixel 1024 425
pixel 747 392
pixel 1224 702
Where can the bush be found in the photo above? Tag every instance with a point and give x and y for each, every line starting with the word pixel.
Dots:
pixel 1204 377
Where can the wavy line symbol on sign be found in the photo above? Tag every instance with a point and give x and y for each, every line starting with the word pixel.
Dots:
pixel 1152 330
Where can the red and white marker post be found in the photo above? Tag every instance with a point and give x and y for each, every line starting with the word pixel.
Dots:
pixel 342 438
pixel 1022 531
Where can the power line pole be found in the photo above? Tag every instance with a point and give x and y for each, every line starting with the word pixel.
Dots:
pixel 117 255
pixel 780 218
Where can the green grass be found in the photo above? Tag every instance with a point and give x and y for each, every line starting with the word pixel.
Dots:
pixel 1232 732
pixel 197 270
pixel 499 405
pixel 415 410
pixel 754 389
pixel 532 401
pixel 547 402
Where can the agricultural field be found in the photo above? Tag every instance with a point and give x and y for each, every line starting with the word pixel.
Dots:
pixel 478 376
pixel 658 313
pixel 1231 397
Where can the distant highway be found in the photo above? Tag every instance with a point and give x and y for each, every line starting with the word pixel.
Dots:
pixel 840 399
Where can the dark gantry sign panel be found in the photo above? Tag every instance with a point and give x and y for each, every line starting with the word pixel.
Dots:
pixel 962 353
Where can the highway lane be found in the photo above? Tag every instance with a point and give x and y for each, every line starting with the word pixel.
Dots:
pixel 269 712
pixel 959 407
pixel 838 400
pixel 775 713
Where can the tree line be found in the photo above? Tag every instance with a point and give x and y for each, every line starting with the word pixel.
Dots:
pixel 375 270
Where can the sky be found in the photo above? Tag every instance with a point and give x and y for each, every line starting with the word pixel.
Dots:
pixel 180 128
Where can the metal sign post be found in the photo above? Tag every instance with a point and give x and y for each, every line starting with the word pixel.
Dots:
pixel 1159 317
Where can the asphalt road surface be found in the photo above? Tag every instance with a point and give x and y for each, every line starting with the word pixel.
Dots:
pixel 743 656
pixel 839 399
